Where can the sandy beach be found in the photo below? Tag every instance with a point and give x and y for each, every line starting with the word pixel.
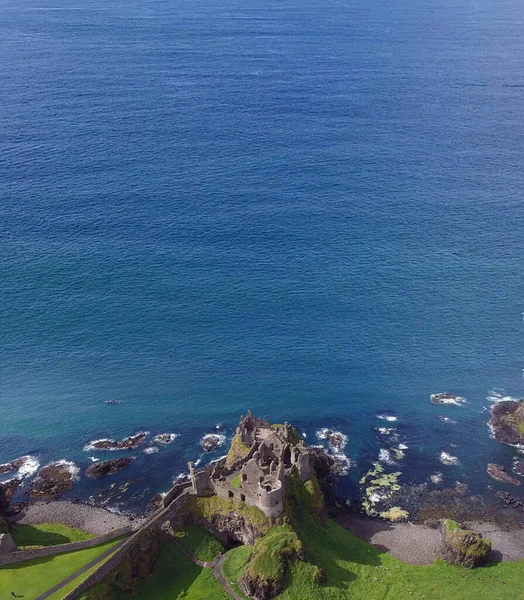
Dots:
pixel 416 544
pixel 93 519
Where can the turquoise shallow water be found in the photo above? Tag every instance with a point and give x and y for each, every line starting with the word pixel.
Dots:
pixel 313 210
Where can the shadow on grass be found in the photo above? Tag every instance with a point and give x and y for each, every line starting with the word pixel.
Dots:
pixel 27 535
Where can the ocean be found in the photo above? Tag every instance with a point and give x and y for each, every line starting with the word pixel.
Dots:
pixel 313 210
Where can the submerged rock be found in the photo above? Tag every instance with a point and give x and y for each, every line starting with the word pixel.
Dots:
pixel 507 422
pixel 129 443
pixel 498 472
pixel 518 466
pixel 108 467
pixel 165 438
pixel 445 398
pixel 54 479
pixel 462 547
pixel 336 439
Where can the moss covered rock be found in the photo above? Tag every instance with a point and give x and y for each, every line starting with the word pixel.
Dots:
pixel 265 574
pixel 462 547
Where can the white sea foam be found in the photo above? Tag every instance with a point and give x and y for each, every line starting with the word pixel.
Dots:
pixel 386 417
pixel 178 477
pixel 165 438
pixel 304 434
pixel 436 478
pixel 402 447
pixel 441 398
pixel 448 459
pixel 386 430
pixel 150 450
pixel 337 440
pixel 447 420
pixel 29 466
pixel 215 460
pixel 495 397
pixel 93 458
pixel 197 462
pixel 384 456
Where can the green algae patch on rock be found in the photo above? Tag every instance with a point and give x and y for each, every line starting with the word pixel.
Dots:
pixel 462 547
pixel 378 487
pixel 394 514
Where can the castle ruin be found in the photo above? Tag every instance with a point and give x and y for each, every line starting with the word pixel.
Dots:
pixel 254 471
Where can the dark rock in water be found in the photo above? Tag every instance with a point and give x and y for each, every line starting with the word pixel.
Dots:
pixel 444 398
pixel 511 501
pixel 210 442
pixel 53 480
pixel 336 439
pixel 518 466
pixel 129 443
pixel 462 547
pixel 507 422
pixel 108 467
pixel 165 438
pixel 8 488
pixel 498 472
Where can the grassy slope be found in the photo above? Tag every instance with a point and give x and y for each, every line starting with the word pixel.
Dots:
pixel 72 585
pixel 175 576
pixel 33 577
pixel 357 570
pixel 233 566
pixel 199 542
pixel 47 534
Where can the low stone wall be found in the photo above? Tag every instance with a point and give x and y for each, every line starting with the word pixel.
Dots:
pixel 21 555
pixel 175 491
pixel 155 521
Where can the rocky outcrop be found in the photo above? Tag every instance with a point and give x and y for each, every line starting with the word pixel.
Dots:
pixel 108 467
pixel 326 469
pixel 507 422
pixel 165 438
pixel 499 473
pixel 336 439
pixel 232 529
pixel 445 398
pixel 255 586
pixel 130 443
pixel 53 480
pixel 8 488
pixel 462 547
pixel 210 442
pixel 266 572
pixel 511 501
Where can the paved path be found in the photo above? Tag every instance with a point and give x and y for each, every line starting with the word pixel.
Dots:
pixel 81 571
pixel 215 564
pixel 217 572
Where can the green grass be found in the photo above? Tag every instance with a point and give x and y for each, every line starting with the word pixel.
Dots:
pixel 271 553
pixel 174 577
pixel 356 570
pixel 33 577
pixel 236 482
pixel 73 584
pixel 199 542
pixel 233 566
pixel 47 534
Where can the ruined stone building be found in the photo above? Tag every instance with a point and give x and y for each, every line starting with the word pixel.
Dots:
pixel 254 470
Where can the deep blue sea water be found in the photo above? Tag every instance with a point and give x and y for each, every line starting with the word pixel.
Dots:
pixel 310 209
